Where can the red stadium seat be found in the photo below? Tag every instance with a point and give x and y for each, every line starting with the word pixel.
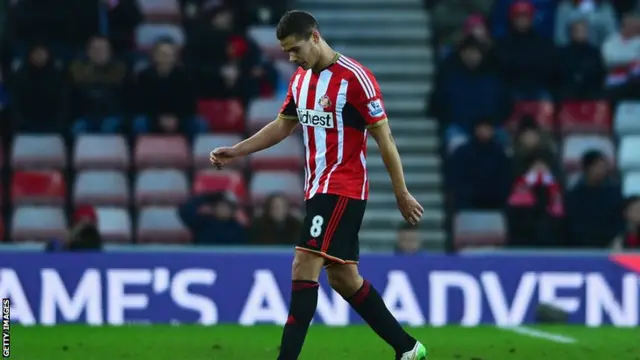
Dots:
pixel 585 116
pixel 542 111
pixel 161 187
pixel 287 155
pixel 38 152
pixel 209 181
pixel 114 224
pixel 161 224
pixel 162 152
pixel 225 116
pixel 205 143
pixel 38 223
pixel 38 187
pixel 266 183
pixel 101 152
pixel 478 228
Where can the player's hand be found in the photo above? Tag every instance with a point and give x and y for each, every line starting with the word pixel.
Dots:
pixel 410 208
pixel 222 156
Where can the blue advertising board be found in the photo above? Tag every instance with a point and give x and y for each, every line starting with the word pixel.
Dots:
pixel 253 288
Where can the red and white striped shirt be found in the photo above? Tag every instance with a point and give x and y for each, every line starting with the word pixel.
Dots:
pixel 335 108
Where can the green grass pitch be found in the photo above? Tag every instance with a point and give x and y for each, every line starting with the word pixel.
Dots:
pixel 225 342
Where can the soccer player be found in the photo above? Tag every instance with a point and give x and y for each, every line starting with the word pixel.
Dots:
pixel 338 103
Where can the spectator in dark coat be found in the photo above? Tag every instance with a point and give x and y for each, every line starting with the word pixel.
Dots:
pixel 466 89
pixel 530 140
pixel 526 59
pixel 629 238
pixel 211 220
pixel 277 224
pixel 99 83
pixel 166 98
pixel 123 18
pixel 39 95
pixel 480 172
pixel 594 205
pixel 581 69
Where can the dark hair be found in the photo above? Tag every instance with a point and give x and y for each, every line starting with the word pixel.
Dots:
pixel 591 157
pixel 298 23
pixel 468 42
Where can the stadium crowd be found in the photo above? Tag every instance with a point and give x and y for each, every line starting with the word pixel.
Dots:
pixel 110 109
pixel 538 103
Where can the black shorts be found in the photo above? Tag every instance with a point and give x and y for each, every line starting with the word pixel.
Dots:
pixel 331 228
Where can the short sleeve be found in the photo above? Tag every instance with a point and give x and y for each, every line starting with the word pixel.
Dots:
pixel 288 110
pixel 364 94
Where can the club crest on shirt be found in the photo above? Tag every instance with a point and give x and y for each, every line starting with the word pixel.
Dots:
pixel 324 101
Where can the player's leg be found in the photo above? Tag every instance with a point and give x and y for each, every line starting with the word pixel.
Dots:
pixel 307 265
pixel 367 302
pixel 304 298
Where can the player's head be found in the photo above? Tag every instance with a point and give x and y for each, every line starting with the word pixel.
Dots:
pixel 299 37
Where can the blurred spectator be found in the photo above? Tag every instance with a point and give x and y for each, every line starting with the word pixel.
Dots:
pixel 594 204
pixel 123 18
pixel 530 140
pixel 581 67
pixel 545 11
pixel 599 15
pixel 277 224
pixel 630 236
pixel 466 79
pixel 39 94
pixel 408 241
pixel 526 71
pixel 166 98
pixel 621 53
pixel 39 22
pixel 535 210
pixel 226 64
pixel 99 84
pixel 480 171
pixel 211 220
pixel 448 17
pixel 4 96
pixel 83 235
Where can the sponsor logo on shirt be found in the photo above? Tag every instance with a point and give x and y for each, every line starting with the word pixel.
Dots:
pixel 375 108
pixel 316 118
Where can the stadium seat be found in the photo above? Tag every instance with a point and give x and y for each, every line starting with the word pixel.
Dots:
pixel 210 181
pixel 160 10
pixel 265 183
pixel 161 224
pixel 265 37
pixel 38 223
pixel 628 153
pixel 479 228
pixel 101 188
pixel 261 112
pixel 162 152
pixel 38 152
pixel 205 143
pixel 101 152
pixel 114 224
pixel 285 69
pixel 161 187
pixel 222 116
pixel 287 155
pixel 627 118
pixel 148 34
pixel 575 146
pixel 38 187
pixel 542 111
pixel 585 116
pixel 631 184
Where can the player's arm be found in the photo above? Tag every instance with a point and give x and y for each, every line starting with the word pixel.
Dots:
pixel 271 134
pixel 274 132
pixel 381 132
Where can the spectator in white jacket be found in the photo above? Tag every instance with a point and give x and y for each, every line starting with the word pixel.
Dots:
pixel 599 14
pixel 621 56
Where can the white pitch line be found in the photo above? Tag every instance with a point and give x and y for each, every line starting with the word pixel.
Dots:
pixel 527 331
